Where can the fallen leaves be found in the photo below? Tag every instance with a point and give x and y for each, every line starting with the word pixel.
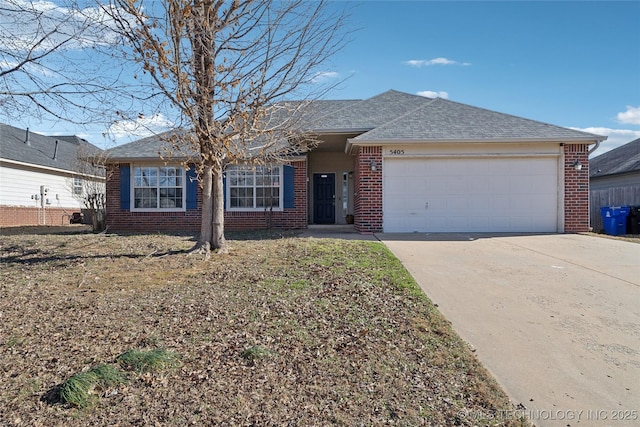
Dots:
pixel 281 331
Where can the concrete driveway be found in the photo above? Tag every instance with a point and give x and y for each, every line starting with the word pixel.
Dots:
pixel 555 318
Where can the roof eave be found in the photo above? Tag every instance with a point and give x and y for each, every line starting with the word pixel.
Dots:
pixel 339 130
pixel 126 159
pixel 613 174
pixel 48 168
pixel 353 142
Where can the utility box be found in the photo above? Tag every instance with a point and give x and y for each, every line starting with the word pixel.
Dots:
pixel 614 219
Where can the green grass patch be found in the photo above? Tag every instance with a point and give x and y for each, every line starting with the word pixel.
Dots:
pixel 356 258
pixel 148 361
pixel 79 390
pixel 255 352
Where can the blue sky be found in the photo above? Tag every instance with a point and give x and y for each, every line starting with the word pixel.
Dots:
pixel 573 64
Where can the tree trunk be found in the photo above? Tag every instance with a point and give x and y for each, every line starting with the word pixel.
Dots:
pixel 218 241
pixel 204 241
pixel 98 219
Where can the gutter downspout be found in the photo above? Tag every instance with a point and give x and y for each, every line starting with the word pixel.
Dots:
pixel 595 147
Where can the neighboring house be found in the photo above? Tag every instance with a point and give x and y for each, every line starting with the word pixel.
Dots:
pixel 614 179
pixel 394 162
pixel 42 181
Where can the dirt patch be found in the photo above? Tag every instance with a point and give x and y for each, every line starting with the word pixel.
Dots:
pixel 279 331
pixel 633 238
pixel 45 229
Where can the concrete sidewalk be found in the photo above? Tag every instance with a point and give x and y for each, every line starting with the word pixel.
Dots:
pixel 555 318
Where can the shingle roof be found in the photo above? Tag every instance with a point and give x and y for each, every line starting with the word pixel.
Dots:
pixel 41 149
pixel 623 159
pixel 443 120
pixel 369 113
pixel 150 147
pixel 395 116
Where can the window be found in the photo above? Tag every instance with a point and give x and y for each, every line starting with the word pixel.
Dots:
pixel 77 186
pixel 254 187
pixel 158 187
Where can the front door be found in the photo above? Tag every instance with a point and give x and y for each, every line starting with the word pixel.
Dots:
pixel 324 198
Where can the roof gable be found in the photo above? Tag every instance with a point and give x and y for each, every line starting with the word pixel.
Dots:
pixel 623 159
pixel 49 151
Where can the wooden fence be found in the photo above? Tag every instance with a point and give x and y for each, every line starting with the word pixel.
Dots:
pixel 628 195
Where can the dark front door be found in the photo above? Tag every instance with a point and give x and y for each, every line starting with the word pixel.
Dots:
pixel 324 198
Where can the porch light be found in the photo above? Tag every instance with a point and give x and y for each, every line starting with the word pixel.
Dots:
pixel 373 165
pixel 577 165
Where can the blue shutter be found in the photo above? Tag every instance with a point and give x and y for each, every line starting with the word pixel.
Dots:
pixel 288 187
pixel 125 187
pixel 224 190
pixel 192 188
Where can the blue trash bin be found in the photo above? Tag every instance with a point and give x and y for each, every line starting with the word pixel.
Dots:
pixel 614 219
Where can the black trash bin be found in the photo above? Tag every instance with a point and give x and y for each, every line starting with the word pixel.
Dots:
pixel 633 220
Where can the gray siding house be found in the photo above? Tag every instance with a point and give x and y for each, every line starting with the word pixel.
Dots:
pixel 614 179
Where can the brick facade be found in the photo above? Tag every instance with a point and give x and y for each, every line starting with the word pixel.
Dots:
pixel 576 188
pixel 285 219
pixel 119 220
pixel 368 190
pixel 16 216
pixel 367 201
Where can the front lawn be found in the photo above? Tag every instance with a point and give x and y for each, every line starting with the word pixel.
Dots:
pixel 279 331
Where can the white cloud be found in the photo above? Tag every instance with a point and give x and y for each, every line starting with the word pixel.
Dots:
pixel 25 22
pixel 432 94
pixel 323 76
pixel 418 63
pixel 631 116
pixel 141 127
pixel 616 137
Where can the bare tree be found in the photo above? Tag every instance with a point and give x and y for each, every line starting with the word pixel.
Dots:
pixel 88 184
pixel 54 59
pixel 227 67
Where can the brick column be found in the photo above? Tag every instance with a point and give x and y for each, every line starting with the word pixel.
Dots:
pixel 368 190
pixel 576 188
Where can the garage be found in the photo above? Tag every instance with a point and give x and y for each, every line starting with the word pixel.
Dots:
pixel 478 193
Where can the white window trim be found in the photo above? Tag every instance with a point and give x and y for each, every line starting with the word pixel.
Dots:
pixel 132 190
pixel 227 194
pixel 77 186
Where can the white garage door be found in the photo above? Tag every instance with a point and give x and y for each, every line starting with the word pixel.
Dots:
pixel 470 194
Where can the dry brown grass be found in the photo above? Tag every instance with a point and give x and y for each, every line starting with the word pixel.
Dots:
pixel 279 331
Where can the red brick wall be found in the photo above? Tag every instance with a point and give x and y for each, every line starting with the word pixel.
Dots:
pixel 368 190
pixel 286 219
pixel 576 188
pixel 14 216
pixel 119 220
